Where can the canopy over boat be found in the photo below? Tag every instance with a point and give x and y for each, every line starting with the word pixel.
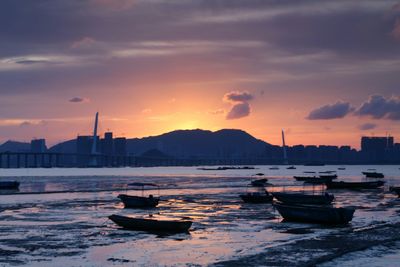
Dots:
pixel 302 198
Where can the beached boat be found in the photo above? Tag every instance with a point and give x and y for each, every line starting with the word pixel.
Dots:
pixel 315 214
pixel 373 174
pixel 301 198
pixel 313 179
pixel 9 185
pixel 151 225
pixel 259 182
pixel 354 185
pixel 395 189
pixel 138 201
pixel 257 197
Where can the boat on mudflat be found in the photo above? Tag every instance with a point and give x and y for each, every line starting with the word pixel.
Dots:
pixel 373 174
pixel 354 185
pixel 259 182
pixel 151 225
pixel 315 214
pixel 9 185
pixel 257 197
pixel 138 201
pixel 395 189
pixel 301 198
pixel 313 179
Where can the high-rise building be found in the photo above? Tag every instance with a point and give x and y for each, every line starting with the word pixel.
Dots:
pixel 120 146
pixel 375 148
pixel 38 145
pixel 107 144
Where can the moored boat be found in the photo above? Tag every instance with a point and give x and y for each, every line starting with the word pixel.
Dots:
pixel 301 198
pixel 151 225
pixel 9 185
pixel 291 168
pixel 373 174
pixel 138 201
pixel 395 189
pixel 313 179
pixel 259 182
pixel 257 197
pixel 354 185
pixel 315 214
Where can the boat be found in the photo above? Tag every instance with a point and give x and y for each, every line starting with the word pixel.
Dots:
pixel 315 214
pixel 9 185
pixel 354 185
pixel 257 197
pixel 395 189
pixel 341 168
pixel 373 174
pixel 259 182
pixel 259 174
pixel 150 224
pixel 139 201
pixel 313 179
pixel 301 198
pixel 274 168
pixel 291 168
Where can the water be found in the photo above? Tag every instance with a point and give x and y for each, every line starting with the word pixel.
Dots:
pixel 59 216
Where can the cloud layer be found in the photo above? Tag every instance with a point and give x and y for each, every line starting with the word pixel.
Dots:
pixel 328 112
pixel 379 107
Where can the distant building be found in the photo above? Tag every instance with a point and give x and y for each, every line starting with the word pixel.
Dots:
pixel 375 148
pixel 38 146
pixel 120 146
pixel 107 144
pixel 84 149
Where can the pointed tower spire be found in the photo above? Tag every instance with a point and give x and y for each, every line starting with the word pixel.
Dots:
pixel 285 159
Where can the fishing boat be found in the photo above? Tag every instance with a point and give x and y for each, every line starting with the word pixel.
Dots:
pixel 259 182
pixel 274 168
pixel 315 214
pixel 354 185
pixel 301 198
pixel 151 224
pixel 140 201
pixel 257 197
pixel 291 168
pixel 395 189
pixel 9 185
pixel 373 174
pixel 313 179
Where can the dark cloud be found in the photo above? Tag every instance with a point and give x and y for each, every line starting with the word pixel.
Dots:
pixel 379 107
pixel 237 96
pixel 238 110
pixel 328 112
pixel 367 126
pixel 78 100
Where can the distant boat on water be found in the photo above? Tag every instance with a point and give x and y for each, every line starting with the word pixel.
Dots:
pixel 354 185
pixel 302 198
pixel 9 185
pixel 259 182
pixel 313 179
pixel 291 168
pixel 373 174
pixel 274 168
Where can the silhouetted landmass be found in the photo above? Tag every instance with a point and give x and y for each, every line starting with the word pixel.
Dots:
pixel 15 146
pixel 154 153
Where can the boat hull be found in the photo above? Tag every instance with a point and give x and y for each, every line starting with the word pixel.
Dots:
pixel 315 214
pixel 373 175
pixel 313 180
pixel 151 225
pixel 9 185
pixel 296 198
pixel 138 202
pixel 395 189
pixel 354 185
pixel 251 198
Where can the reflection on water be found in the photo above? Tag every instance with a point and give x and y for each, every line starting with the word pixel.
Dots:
pixel 72 226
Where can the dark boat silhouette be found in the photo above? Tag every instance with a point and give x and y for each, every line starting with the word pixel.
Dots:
pixel 140 201
pixel 354 185
pixel 9 185
pixel 257 197
pixel 313 179
pixel 301 198
pixel 151 225
pixel 315 214
pixel 291 168
pixel 259 182
pixel 373 174
pixel 395 189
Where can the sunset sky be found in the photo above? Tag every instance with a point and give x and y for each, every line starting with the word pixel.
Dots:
pixel 327 72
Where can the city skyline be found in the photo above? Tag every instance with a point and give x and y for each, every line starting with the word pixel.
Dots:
pixel 325 71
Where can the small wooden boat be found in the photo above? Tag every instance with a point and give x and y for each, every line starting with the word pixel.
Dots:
pixel 259 182
pixel 138 201
pixel 291 168
pixel 313 179
pixel 259 174
pixel 9 185
pixel 373 174
pixel 301 198
pixel 341 168
pixel 151 225
pixel 257 197
pixel 354 185
pixel 395 189
pixel 274 168
pixel 315 214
